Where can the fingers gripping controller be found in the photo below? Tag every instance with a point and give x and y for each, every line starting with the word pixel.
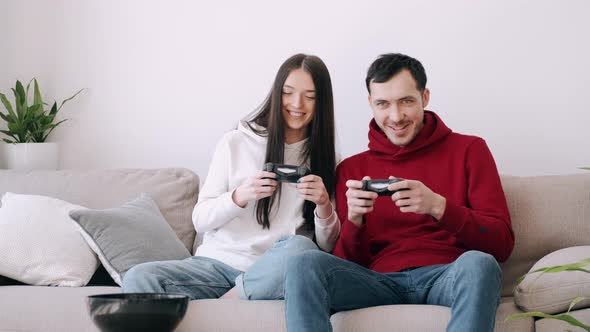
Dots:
pixel 287 173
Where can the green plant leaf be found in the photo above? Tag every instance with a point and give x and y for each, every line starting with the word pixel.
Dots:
pixel 13 127
pixel 44 138
pixel 18 104
pixel 8 133
pixel 37 99
pixel 53 109
pixel 576 301
pixel 7 105
pixel 72 97
pixel 578 266
pixel 28 86
pixel 33 109
pixel 586 168
pixel 563 317
pixel 20 90
pixel 5 117
pixel 8 141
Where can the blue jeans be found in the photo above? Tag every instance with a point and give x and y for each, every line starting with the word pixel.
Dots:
pixel 205 278
pixel 318 284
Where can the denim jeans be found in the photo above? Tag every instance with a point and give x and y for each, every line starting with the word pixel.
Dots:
pixel 318 284
pixel 205 278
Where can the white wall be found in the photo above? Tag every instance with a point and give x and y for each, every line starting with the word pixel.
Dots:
pixel 165 79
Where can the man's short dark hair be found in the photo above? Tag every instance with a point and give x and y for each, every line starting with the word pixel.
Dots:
pixel 388 65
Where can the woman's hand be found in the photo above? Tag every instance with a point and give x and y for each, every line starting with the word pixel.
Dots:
pixel 312 188
pixel 259 186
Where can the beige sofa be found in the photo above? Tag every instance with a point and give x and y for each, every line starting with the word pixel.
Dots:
pixel 548 213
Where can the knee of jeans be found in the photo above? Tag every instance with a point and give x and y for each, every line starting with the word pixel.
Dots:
pixel 299 243
pixel 480 265
pixel 306 262
pixel 138 273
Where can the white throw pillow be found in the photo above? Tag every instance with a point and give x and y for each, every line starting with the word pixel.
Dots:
pixel 40 244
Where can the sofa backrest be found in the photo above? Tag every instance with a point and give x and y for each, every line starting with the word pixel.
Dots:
pixel 175 190
pixel 548 213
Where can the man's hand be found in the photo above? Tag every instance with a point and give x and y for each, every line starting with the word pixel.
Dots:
pixel 417 198
pixel 312 188
pixel 360 202
pixel 261 185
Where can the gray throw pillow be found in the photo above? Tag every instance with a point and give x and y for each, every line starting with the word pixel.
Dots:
pixel 125 236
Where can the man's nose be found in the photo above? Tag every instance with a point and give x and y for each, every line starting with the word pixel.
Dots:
pixel 395 114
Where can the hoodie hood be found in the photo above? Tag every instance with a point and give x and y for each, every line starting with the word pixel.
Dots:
pixel 244 127
pixel 248 128
pixel 434 130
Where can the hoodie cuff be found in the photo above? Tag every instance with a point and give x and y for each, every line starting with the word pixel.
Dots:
pixel 324 222
pixel 351 233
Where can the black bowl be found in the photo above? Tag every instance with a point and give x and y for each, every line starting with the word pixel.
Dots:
pixel 152 312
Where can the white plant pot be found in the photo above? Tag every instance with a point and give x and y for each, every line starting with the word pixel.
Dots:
pixel 28 156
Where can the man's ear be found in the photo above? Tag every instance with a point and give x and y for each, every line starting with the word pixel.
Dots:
pixel 370 99
pixel 425 97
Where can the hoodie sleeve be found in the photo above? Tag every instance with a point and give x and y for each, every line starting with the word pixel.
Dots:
pixel 484 224
pixel 327 231
pixel 215 206
pixel 352 244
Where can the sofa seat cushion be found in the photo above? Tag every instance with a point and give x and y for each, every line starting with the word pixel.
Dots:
pixel 419 318
pixel 234 315
pixel 212 315
pixel 552 293
pixel 48 309
pixel 552 325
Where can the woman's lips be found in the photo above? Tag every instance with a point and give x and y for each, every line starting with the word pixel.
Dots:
pixel 295 114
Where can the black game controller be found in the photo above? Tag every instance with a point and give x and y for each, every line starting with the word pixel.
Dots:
pixel 287 173
pixel 379 186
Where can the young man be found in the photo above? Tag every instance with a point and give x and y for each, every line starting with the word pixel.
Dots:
pixel 436 240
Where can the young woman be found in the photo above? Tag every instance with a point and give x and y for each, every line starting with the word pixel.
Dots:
pixel 250 222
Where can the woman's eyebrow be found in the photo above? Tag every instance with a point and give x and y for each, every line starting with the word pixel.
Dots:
pixel 288 86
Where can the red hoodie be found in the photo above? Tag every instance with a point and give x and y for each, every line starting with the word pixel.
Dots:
pixel 458 167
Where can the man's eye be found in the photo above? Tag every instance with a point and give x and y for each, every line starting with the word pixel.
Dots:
pixel 310 97
pixel 287 93
pixel 407 101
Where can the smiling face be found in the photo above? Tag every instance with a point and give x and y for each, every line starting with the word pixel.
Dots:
pixel 398 107
pixel 298 104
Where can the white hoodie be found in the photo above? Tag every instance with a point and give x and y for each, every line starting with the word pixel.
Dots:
pixel 231 234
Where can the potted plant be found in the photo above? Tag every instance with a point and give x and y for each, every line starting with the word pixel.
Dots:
pixel 28 126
